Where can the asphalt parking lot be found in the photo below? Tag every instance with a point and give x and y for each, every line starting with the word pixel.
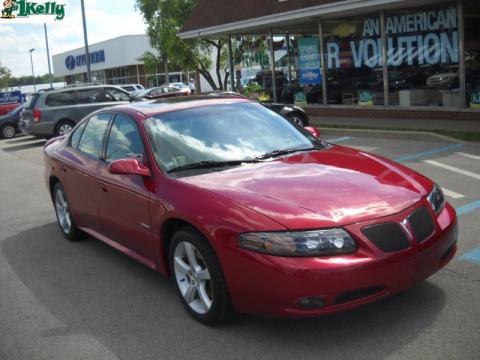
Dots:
pixel 61 300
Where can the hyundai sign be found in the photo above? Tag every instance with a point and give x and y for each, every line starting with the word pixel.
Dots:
pixel 81 60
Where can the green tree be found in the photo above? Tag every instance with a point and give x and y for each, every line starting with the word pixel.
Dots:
pixel 4 77
pixel 165 19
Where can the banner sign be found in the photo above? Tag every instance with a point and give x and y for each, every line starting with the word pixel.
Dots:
pixel 12 97
pixel 309 61
pixel 419 38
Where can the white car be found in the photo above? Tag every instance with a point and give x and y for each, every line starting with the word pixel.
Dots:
pixel 447 80
pixel 183 88
pixel 133 89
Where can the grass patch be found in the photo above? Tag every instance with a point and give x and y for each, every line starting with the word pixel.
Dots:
pixel 460 135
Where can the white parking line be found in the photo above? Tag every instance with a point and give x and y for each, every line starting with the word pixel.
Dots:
pixel 453 168
pixel 452 194
pixel 470 156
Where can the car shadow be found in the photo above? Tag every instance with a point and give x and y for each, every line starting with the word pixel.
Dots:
pixel 93 289
pixel 27 146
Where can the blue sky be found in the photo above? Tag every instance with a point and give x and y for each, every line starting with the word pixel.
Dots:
pixel 105 19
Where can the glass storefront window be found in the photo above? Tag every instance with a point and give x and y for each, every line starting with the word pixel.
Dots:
pixel 354 61
pixel 472 53
pixel 423 57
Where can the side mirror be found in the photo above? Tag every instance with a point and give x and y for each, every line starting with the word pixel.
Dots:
pixel 128 166
pixel 313 130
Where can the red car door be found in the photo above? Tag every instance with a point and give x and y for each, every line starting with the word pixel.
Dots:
pixel 124 204
pixel 80 169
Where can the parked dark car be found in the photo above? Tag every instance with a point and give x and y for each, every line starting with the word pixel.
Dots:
pixel 9 123
pixel 292 113
pixel 55 112
pixel 162 91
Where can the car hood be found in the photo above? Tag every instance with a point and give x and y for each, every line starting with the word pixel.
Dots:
pixel 332 187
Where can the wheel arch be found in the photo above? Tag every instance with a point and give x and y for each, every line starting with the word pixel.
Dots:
pixel 169 228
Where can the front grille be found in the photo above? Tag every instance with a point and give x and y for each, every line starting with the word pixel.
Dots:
pixel 389 237
pixel 422 224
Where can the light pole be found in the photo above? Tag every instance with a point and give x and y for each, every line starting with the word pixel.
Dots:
pixel 33 72
pixel 85 38
pixel 48 56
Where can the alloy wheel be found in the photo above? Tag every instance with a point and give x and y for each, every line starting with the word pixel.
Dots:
pixel 193 277
pixel 296 120
pixel 63 211
pixel 8 131
pixel 64 129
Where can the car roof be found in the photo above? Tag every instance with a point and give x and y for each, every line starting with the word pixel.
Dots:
pixel 155 107
pixel 75 87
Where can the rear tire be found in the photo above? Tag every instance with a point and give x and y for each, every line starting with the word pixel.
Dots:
pixel 298 119
pixel 64 217
pixel 199 278
pixel 64 127
pixel 8 131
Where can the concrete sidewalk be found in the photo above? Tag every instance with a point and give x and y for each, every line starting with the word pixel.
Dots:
pixel 407 124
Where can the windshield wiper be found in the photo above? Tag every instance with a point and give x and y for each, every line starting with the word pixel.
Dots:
pixel 276 153
pixel 211 164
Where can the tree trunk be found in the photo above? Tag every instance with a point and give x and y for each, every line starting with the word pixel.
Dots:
pixel 217 66
pixel 225 80
pixel 206 74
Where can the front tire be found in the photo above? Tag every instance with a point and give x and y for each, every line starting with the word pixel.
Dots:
pixel 8 131
pixel 64 215
pixel 199 278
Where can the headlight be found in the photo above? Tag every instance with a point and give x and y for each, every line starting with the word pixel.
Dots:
pixel 301 243
pixel 436 199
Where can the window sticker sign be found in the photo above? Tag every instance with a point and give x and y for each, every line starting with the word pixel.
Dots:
pixel 418 38
pixel 300 98
pixel 366 98
pixel 309 61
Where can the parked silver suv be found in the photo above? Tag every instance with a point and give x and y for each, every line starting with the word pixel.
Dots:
pixel 55 112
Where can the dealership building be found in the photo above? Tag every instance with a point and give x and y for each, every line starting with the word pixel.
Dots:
pixel 337 49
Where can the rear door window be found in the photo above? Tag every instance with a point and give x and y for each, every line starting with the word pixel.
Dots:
pixel 61 98
pixel 91 141
pixel 76 134
pixel 116 94
pixel 91 96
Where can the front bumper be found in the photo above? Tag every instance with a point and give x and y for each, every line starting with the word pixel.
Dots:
pixel 272 286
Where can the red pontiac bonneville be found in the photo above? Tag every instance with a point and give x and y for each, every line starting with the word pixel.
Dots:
pixel 245 210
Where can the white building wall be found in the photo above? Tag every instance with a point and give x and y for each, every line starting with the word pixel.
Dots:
pixel 121 51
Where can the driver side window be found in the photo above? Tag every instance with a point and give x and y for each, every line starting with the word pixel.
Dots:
pixel 124 140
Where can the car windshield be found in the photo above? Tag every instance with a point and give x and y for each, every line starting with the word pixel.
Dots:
pixel 223 133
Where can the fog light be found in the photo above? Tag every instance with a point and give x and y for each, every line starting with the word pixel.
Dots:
pixel 312 302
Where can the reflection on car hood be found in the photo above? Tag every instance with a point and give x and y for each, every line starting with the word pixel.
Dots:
pixel 333 187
